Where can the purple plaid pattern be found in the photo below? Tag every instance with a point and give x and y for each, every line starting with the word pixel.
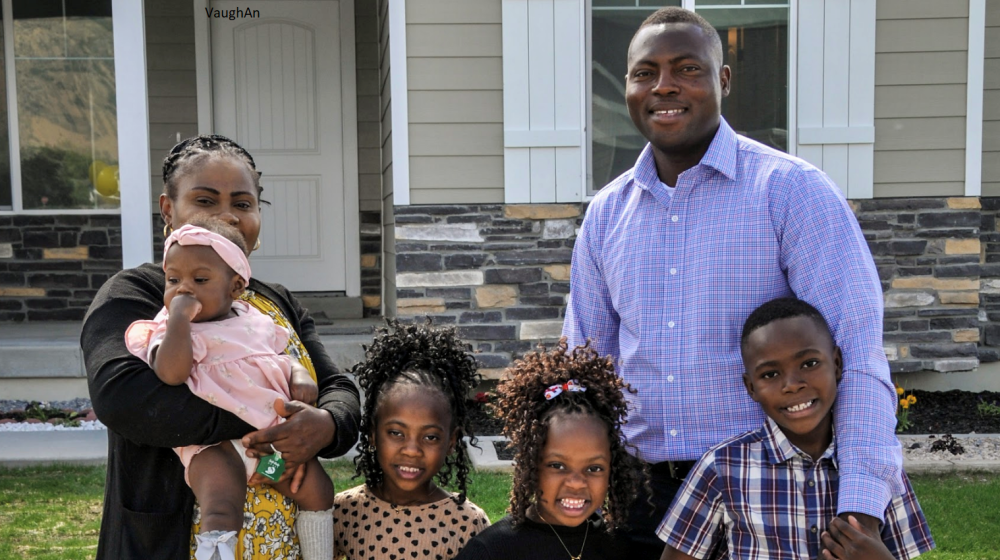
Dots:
pixel 664 283
pixel 771 501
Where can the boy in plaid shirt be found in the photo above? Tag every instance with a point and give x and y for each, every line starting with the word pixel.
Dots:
pixel 772 493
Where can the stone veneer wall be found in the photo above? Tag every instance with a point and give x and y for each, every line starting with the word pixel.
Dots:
pixel 989 293
pixel 499 273
pixel 371 263
pixel 52 266
pixel 927 251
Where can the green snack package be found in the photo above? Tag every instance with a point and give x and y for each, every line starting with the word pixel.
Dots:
pixel 271 466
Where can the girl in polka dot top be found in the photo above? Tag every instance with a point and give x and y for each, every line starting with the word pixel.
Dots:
pixel 415 379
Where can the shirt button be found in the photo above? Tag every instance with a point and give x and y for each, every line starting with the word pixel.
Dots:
pixel 670 324
pixel 673 432
pixel 813 529
pixel 673 218
pixel 812 483
pixel 673 271
pixel 670 378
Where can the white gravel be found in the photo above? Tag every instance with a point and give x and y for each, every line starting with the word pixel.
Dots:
pixel 978 447
pixel 45 427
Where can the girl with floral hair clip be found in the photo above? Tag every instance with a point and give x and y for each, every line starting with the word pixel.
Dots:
pixel 573 478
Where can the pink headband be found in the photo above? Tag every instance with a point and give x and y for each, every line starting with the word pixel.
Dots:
pixel 194 235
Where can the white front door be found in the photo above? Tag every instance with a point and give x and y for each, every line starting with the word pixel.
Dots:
pixel 277 91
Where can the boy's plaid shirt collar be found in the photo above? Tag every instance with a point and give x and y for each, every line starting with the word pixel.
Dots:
pixel 780 450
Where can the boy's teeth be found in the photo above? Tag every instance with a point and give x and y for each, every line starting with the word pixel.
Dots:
pixel 802 406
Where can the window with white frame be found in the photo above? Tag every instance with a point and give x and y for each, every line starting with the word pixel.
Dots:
pixel 754 37
pixel 58 119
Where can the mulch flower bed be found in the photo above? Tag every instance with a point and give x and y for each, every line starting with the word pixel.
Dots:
pixel 954 412
pixel 483 423
pixel 37 413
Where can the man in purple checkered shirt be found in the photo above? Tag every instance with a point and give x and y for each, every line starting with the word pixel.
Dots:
pixel 675 254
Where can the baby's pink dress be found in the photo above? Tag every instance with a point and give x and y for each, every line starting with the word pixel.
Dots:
pixel 238 366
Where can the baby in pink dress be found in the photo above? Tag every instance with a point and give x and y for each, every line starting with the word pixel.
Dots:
pixel 231 355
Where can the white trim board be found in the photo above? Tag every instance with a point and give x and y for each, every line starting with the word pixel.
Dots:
pixel 131 95
pixel 203 67
pixel 349 144
pixel 974 99
pixel 399 99
pixel 13 127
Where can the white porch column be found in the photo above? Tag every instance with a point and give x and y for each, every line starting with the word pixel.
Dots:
pixel 133 131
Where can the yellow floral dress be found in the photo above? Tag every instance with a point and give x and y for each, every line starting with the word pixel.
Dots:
pixel 267 515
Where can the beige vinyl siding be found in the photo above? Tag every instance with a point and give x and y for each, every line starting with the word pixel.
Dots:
pixel 385 163
pixel 921 60
pixel 366 42
pixel 991 102
pixel 455 83
pixel 171 81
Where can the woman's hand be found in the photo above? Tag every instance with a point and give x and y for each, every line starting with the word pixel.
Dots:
pixel 304 433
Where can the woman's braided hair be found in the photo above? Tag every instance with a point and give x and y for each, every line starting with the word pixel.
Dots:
pixel 194 150
pixel 424 356
pixel 527 414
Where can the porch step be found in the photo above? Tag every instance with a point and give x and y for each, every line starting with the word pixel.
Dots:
pixel 40 350
pixel 326 307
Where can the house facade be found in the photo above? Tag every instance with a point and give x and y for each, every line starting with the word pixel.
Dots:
pixel 434 158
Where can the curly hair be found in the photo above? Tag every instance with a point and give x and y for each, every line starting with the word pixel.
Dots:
pixel 521 403
pixel 424 356
pixel 194 151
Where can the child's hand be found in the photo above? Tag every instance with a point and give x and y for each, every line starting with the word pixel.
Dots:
pixel 849 540
pixel 302 387
pixel 185 306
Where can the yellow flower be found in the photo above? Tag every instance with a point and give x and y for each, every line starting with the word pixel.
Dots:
pixel 899 390
pixel 911 399
pixel 904 403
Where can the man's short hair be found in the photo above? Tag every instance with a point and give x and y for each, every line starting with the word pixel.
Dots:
pixel 781 308
pixel 673 14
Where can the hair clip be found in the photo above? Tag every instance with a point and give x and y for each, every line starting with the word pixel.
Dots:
pixel 572 386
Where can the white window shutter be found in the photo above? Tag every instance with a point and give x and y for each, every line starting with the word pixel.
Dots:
pixel 543 96
pixel 835 82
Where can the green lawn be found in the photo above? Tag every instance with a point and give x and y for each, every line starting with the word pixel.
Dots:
pixel 963 512
pixel 54 512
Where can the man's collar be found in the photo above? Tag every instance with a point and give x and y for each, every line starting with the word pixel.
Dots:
pixel 721 156
pixel 780 450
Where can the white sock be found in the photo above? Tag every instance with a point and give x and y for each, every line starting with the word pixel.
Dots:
pixel 315 530
pixel 217 545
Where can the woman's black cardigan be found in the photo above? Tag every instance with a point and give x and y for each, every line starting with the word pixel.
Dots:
pixel 147 504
